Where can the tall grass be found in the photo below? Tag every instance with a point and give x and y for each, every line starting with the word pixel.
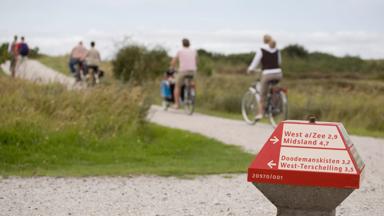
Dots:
pixel 357 104
pixel 221 92
pixel 48 130
pixel 58 109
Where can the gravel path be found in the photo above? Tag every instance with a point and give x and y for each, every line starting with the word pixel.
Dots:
pixel 37 72
pixel 204 195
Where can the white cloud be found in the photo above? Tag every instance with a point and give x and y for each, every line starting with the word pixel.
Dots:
pixel 364 44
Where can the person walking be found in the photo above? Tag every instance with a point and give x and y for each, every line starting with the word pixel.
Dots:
pixel 269 57
pixel 12 50
pixel 93 60
pixel 23 52
pixel 186 58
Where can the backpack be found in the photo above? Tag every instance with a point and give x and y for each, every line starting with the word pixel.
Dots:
pixel 23 49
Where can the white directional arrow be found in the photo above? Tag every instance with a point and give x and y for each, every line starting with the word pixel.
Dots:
pixel 271 164
pixel 274 139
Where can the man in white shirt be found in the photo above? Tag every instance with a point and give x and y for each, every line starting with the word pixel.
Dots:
pixel 93 60
pixel 270 59
pixel 187 59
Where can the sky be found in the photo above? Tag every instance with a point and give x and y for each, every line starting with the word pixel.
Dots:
pixel 339 27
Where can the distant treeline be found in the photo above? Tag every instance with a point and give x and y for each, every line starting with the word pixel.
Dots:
pixel 297 63
pixel 138 63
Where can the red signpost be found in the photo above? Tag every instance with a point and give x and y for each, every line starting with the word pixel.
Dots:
pixel 308 154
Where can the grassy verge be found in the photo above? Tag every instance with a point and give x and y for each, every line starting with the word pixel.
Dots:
pixel 166 152
pixel 58 63
pixel 48 130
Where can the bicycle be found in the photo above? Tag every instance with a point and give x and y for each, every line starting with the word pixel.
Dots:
pixel 188 96
pixel 92 77
pixel 276 103
pixel 79 71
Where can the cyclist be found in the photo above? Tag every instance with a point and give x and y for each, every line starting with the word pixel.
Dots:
pixel 77 57
pixel 187 60
pixel 93 60
pixel 269 57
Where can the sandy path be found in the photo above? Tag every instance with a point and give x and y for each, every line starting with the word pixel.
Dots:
pixel 205 195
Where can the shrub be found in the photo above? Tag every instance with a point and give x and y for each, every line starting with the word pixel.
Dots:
pixel 34 52
pixel 210 63
pixel 135 63
pixel 4 55
pixel 295 50
pixel 206 66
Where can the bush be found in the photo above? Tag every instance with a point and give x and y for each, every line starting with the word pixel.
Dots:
pixel 34 53
pixel 134 63
pixel 295 50
pixel 210 63
pixel 4 55
pixel 206 66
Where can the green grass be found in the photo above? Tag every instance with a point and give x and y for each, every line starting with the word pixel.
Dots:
pixel 165 152
pixel 58 63
pixel 48 130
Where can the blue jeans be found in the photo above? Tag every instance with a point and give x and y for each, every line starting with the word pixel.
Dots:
pixel 72 67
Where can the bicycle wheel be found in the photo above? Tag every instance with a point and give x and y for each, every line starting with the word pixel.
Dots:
pixel 250 106
pixel 77 73
pixel 278 108
pixel 165 104
pixel 189 100
pixel 90 77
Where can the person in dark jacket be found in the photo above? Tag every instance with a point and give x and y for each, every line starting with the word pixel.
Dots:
pixel 23 52
pixel 269 58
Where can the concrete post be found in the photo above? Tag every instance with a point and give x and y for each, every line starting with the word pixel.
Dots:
pixel 292 200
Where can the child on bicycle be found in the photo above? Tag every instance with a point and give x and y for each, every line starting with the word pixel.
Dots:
pixel 167 85
pixel 269 57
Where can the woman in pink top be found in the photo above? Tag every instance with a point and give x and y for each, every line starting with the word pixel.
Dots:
pixel 187 59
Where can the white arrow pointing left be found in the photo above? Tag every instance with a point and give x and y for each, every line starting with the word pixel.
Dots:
pixel 274 139
pixel 271 164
